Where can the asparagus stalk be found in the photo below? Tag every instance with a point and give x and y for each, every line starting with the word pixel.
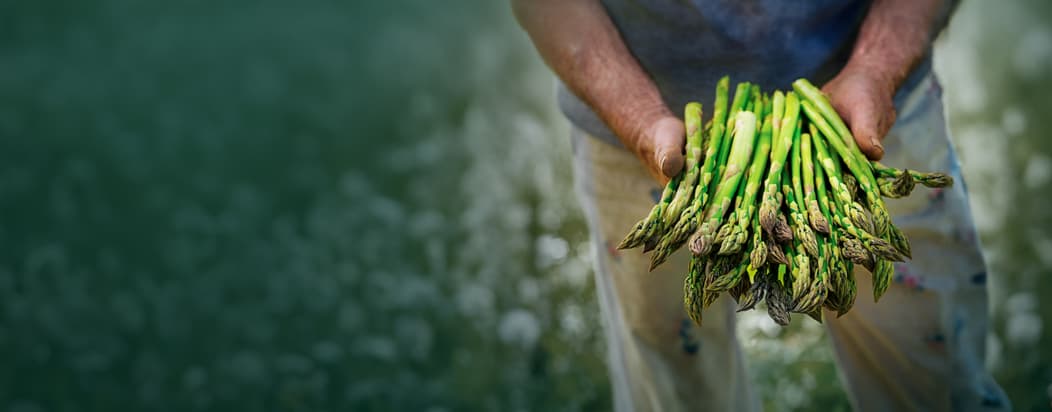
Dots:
pixel 867 181
pixel 898 187
pixel 856 212
pixel 740 288
pixel 692 120
pixel 801 270
pixel 682 220
pixel 793 197
pixel 777 112
pixel 841 279
pixel 779 150
pixel 933 180
pixel 818 290
pixel 744 139
pixel 821 194
pixel 719 137
pixel 747 209
pixel 757 103
pixel 844 144
pixel 854 251
pixel 650 224
pixel 758 255
pixel 823 110
pixel 720 275
pixel 882 276
pixel 692 216
pixel 899 240
pixel 852 185
pixel 814 214
pixel 732 219
pixel 741 99
pixel 860 172
pixel 733 266
pixel 848 289
pixel 844 207
pixel 692 289
pixel 778 302
pixel 757 291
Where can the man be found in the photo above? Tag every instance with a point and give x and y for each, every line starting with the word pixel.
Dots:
pixel 628 66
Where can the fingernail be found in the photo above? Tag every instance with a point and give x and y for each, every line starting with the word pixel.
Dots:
pixel 662 162
pixel 876 144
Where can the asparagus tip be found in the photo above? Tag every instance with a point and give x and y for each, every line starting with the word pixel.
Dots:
pixel 777 255
pixel 650 245
pixel 818 221
pixel 758 256
pixel 937 180
pixel 782 233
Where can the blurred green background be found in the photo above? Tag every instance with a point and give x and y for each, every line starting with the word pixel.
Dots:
pixel 318 206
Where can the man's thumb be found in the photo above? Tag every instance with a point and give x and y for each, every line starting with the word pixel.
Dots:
pixel 867 135
pixel 669 138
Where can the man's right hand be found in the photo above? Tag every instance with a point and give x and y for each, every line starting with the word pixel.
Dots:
pixel 659 146
pixel 583 47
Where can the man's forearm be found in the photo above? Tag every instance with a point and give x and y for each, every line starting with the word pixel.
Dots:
pixel 582 46
pixel 894 38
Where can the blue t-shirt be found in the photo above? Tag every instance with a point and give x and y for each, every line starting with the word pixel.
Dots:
pixel 687 45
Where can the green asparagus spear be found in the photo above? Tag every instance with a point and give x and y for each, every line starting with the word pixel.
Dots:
pixel 692 120
pixel 741 99
pixel 780 147
pixel 778 302
pixel 897 187
pixel 858 165
pixel 733 266
pixel 882 276
pixel 744 139
pixel 692 289
pixel 690 218
pixel 843 207
pixel 646 227
pixel 801 270
pixel 677 217
pixel 934 180
pixel 756 292
pixel 747 209
pixel 793 197
pixel 814 214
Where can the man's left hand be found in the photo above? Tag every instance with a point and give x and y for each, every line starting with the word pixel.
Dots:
pixel 866 103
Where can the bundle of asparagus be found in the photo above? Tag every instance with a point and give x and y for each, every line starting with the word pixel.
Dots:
pixel 763 222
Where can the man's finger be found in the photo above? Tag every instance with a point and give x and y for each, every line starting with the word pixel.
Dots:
pixel 865 126
pixel 868 143
pixel 669 138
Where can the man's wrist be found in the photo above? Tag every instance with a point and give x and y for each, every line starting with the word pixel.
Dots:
pixel 894 38
pixel 885 78
pixel 633 123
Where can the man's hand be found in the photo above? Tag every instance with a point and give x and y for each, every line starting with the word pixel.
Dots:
pixel 660 147
pixel 583 47
pixel 866 103
pixel 893 39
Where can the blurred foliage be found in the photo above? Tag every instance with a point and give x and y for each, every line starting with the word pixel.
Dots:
pixel 996 62
pixel 274 206
pixel 368 206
